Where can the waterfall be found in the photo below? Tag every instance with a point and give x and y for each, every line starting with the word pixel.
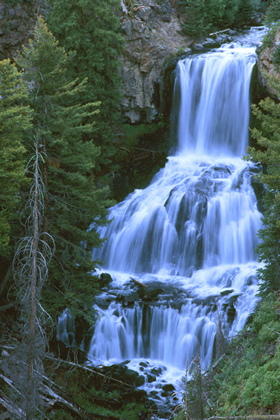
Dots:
pixel 191 234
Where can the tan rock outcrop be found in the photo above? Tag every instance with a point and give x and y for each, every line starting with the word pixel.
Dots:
pixel 152 37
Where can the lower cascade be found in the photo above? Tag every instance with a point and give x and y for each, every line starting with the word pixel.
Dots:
pixel 181 251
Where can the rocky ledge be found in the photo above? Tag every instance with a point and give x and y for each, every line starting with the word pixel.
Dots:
pixel 152 39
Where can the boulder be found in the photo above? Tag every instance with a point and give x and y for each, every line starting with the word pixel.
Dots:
pixel 122 373
pixel 106 279
pixel 168 388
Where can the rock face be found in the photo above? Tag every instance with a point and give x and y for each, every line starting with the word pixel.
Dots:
pixel 266 67
pixel 16 26
pixel 152 39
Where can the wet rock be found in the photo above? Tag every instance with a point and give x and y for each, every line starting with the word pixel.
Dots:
pixel 226 292
pixel 144 364
pixel 251 280
pixel 106 279
pixel 211 43
pixel 123 373
pixel 197 47
pixel 149 295
pixel 157 371
pixel 154 394
pixel 168 388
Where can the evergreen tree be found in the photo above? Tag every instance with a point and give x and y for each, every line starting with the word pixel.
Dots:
pixel 273 12
pixel 15 121
pixel 71 200
pixel 268 140
pixel 92 30
pixel 244 13
pixel 195 14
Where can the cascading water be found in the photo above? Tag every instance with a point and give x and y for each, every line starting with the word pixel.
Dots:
pixel 189 237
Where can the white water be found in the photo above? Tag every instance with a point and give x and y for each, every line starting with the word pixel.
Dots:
pixel 193 229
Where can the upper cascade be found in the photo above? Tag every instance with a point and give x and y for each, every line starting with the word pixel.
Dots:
pixel 213 91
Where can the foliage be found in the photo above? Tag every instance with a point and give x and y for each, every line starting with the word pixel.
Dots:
pixel 273 12
pixel 272 15
pixel 205 16
pixel 268 141
pixel 101 396
pixel 269 37
pixel 141 155
pixel 15 122
pixel 92 31
pixel 72 200
pixel 195 12
pixel 246 380
pixel 276 58
pixel 244 13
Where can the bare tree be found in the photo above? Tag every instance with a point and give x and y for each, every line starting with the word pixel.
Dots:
pixel 30 269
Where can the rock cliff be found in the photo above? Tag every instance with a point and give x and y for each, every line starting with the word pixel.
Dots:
pixel 152 38
pixel 16 26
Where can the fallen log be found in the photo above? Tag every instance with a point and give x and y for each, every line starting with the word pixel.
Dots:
pixel 12 408
pixel 52 398
pixel 76 365
pixel 220 32
pixel 138 282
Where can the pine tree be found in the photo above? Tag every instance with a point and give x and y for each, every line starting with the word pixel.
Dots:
pixel 92 30
pixel 195 14
pixel 71 201
pixel 244 13
pixel 15 121
pixel 268 153
pixel 273 12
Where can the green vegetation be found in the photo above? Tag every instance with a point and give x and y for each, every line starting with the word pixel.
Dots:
pixel 272 15
pixel 246 380
pixel 273 12
pixel 101 397
pixel 143 153
pixel 91 31
pixel 267 137
pixel 205 16
pixel 71 199
pixel 15 122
